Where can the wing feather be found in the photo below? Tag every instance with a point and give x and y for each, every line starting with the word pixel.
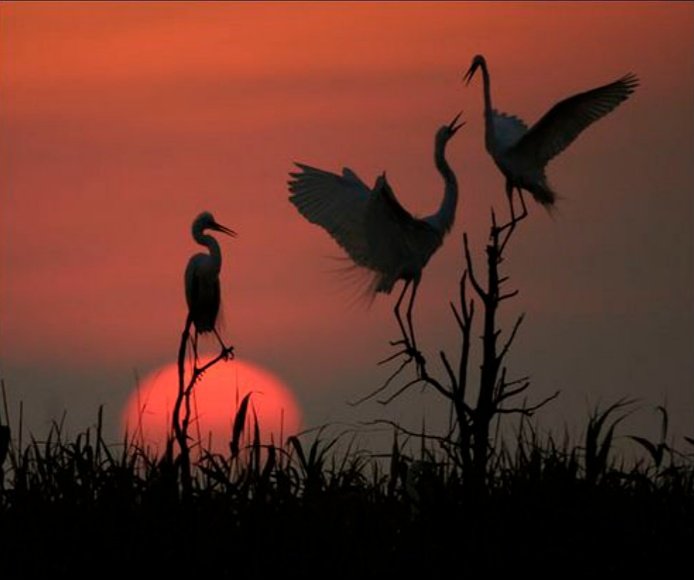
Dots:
pixel 508 129
pixel 564 122
pixel 337 203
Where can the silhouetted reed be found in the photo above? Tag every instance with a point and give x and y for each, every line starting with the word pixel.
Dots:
pixel 319 501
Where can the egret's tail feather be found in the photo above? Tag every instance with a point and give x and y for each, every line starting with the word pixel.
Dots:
pixel 360 283
pixel 543 194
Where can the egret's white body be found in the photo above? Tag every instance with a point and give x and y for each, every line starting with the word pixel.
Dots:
pixel 202 277
pixel 372 227
pixel 522 153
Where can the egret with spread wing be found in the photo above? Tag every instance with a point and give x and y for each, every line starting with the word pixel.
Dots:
pixel 373 228
pixel 521 153
pixel 202 280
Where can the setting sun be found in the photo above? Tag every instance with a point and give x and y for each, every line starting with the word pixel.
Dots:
pixel 216 397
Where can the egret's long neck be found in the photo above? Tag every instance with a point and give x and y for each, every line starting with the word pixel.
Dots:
pixel 488 117
pixel 443 219
pixel 212 246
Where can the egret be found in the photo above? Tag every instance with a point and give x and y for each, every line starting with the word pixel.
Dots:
pixel 202 280
pixel 521 153
pixel 374 229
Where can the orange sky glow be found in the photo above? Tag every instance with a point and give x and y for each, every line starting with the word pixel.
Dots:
pixel 120 122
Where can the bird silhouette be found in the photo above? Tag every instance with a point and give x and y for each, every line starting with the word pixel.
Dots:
pixel 202 280
pixel 522 153
pixel 374 229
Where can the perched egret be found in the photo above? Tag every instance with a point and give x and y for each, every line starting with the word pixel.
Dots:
pixel 202 279
pixel 374 229
pixel 521 153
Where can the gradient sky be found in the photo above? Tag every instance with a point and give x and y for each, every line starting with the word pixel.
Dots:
pixel 119 122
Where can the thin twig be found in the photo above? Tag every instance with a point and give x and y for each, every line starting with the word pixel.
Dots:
pixel 382 388
pixel 473 280
pixel 528 411
pixel 438 386
pixel 507 345
pixel 449 370
pixel 458 318
pixel 405 431
pixel 400 391
pixel 507 295
pixel 503 395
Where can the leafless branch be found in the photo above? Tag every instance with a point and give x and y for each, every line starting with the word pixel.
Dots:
pixel 405 431
pixel 508 295
pixel 503 395
pixel 458 318
pixel 467 312
pixel 449 370
pixel 528 411
pixel 400 391
pixel 473 280
pixel 383 387
pixel 507 345
pixel 396 355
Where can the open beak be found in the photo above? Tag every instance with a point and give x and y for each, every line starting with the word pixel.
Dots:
pixel 452 127
pixel 469 74
pixel 224 230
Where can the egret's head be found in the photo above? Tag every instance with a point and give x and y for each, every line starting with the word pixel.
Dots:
pixel 477 62
pixel 447 131
pixel 206 221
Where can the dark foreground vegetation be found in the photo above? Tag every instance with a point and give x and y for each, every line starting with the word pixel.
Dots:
pixel 318 507
pixel 446 504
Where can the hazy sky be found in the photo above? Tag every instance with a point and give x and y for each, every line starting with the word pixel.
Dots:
pixel 120 122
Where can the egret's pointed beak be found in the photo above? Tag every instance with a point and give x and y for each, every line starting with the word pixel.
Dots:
pixel 470 73
pixel 224 230
pixel 452 127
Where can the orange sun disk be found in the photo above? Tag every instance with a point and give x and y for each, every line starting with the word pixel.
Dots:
pixel 216 397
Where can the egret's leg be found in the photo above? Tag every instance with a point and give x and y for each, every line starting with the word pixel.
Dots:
pixel 522 200
pixel 219 338
pixel 409 312
pixel 396 310
pixel 509 196
pixel 227 351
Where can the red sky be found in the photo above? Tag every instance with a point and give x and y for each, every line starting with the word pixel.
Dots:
pixel 119 122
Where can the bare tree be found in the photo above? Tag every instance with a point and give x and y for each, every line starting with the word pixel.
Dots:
pixel 468 437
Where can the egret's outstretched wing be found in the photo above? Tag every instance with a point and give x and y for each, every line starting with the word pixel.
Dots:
pixel 567 119
pixel 337 203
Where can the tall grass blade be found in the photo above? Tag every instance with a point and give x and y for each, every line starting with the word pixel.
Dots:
pixel 239 423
